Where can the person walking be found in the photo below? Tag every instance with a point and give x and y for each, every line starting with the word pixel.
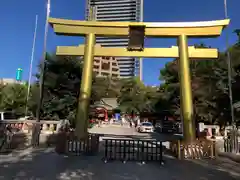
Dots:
pixel 99 123
pixel 130 123
pixel 121 119
pixel 136 121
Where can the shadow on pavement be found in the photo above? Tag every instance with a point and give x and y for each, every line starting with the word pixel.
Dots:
pixel 44 164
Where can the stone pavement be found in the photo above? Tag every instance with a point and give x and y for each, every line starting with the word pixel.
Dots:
pixel 130 133
pixel 44 164
pixel 114 130
pixel 127 132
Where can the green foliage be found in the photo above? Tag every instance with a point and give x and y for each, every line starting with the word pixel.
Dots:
pixel 62 87
pixel 135 96
pixel 209 87
pixel 105 87
pixel 13 98
pixel 237 31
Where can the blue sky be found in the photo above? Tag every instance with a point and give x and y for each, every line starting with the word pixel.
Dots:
pixel 18 19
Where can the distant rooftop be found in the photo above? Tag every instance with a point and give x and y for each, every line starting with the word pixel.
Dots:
pixel 5 81
pixel 108 103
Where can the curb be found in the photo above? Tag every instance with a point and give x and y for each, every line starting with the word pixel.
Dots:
pixel 231 156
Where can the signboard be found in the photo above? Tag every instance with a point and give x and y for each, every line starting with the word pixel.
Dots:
pixel 19 74
pixel 117 116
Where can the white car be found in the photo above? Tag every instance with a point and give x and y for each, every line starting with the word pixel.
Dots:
pixel 145 127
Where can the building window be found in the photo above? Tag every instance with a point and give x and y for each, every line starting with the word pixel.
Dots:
pixel 104 74
pixel 95 67
pixel 105 66
pixel 114 75
pixel 114 69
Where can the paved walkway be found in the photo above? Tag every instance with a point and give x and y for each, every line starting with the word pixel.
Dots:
pixel 127 132
pixel 115 130
pixel 44 164
pixel 130 133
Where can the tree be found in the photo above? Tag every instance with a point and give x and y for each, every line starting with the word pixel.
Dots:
pixel 209 80
pixel 61 87
pixel 235 57
pixel 105 87
pixel 13 98
pixel 33 99
pixel 170 99
pixel 237 31
pixel 135 96
pixel 1 95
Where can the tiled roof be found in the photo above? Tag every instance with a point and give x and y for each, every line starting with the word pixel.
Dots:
pixel 108 103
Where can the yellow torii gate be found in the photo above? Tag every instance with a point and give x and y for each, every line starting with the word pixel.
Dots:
pixel 136 31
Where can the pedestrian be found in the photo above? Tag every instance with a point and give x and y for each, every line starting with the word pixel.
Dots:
pixel 130 124
pixel 9 134
pixel 63 125
pixel 136 121
pixel 121 120
pixel 9 128
pixel 99 123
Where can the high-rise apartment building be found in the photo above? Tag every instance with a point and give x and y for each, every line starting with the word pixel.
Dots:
pixel 106 66
pixel 118 10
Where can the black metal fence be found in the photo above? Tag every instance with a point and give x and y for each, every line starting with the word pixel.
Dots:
pixel 133 150
pixel 89 146
pixel 231 145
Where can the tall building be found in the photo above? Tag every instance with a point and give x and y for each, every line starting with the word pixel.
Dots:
pixel 106 66
pixel 118 10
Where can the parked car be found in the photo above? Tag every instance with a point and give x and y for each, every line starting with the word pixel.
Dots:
pixel 145 127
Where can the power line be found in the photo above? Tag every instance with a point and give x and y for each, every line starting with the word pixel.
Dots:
pixel 31 64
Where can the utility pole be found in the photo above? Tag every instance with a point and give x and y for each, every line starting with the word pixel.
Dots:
pixel 36 130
